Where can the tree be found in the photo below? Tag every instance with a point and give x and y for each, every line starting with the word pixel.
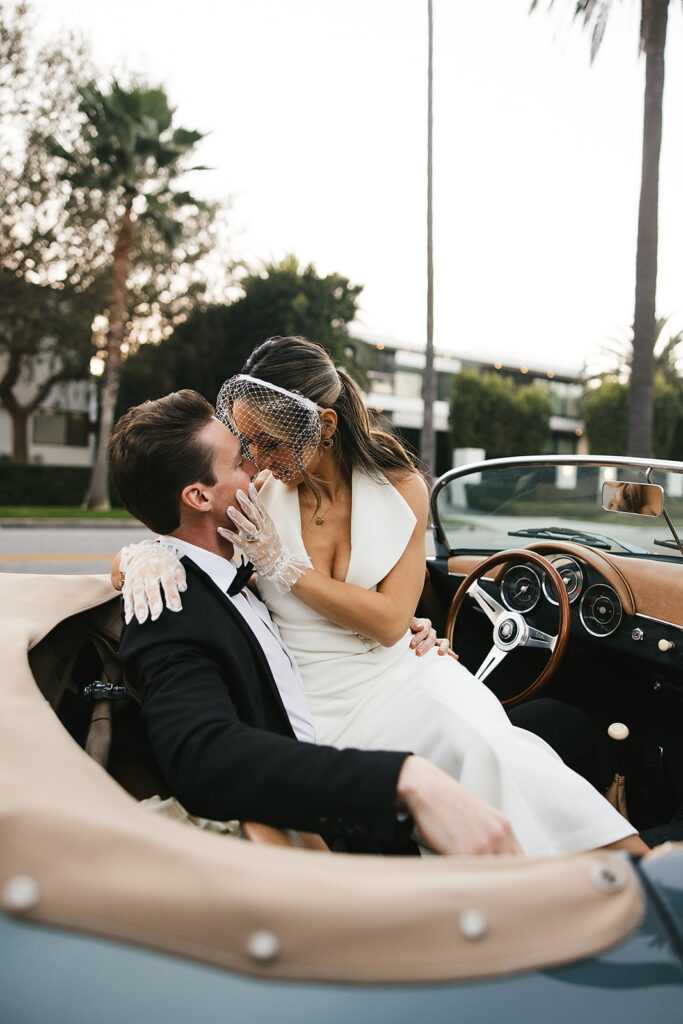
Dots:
pixel 653 25
pixel 129 153
pixel 604 412
pixel 214 342
pixel 50 253
pixel 667 369
pixel 606 407
pixel 489 411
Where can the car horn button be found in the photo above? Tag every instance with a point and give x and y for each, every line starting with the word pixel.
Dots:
pixel 508 630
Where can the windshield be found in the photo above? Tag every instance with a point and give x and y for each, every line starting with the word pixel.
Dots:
pixel 507 506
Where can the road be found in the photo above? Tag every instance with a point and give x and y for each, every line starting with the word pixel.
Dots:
pixel 64 549
pixel 74 549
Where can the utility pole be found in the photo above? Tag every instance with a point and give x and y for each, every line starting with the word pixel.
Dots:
pixel 427 439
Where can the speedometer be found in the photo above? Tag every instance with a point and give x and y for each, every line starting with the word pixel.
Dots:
pixel 600 610
pixel 571 575
pixel 520 588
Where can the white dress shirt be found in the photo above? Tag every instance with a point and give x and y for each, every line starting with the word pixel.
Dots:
pixel 256 615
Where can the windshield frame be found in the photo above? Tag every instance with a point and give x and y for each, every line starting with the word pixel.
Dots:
pixel 441 545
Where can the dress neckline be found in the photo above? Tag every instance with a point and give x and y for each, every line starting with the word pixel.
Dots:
pixel 382 523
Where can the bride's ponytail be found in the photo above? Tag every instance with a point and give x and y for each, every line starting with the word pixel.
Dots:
pixel 363 444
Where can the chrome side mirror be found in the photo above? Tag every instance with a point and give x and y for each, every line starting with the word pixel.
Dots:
pixel 638 499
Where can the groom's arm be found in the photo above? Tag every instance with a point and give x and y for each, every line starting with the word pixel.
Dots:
pixel 220 767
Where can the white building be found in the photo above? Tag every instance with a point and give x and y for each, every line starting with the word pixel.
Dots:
pixel 395 372
pixel 60 430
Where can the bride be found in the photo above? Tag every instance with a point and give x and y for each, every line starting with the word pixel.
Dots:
pixel 336 533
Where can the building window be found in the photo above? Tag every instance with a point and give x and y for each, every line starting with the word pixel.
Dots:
pixel 52 426
pixel 565 397
pixel 380 383
pixel 408 383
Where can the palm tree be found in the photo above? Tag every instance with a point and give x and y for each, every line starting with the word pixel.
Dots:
pixel 427 443
pixel 129 153
pixel 665 356
pixel 653 23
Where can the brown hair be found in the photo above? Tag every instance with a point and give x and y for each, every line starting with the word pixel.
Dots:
pixel 296 364
pixel 154 452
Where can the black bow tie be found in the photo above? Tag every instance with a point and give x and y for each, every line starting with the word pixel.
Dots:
pixel 242 577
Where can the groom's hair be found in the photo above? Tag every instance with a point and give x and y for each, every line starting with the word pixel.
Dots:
pixel 155 451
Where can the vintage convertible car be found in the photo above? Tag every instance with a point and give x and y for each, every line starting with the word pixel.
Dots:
pixel 110 911
pixel 566 575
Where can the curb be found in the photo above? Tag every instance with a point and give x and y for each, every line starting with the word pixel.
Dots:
pixel 75 523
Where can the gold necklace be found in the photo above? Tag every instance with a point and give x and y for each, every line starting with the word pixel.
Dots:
pixel 319 516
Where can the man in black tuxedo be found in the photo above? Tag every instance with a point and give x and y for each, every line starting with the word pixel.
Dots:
pixel 221 697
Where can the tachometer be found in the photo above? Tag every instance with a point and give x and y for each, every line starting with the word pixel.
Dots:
pixel 600 610
pixel 571 575
pixel 520 588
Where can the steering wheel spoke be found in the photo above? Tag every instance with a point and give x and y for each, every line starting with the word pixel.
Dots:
pixel 491 608
pixel 491 661
pixel 536 638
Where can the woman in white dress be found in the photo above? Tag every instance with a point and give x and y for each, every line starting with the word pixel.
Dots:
pixel 337 536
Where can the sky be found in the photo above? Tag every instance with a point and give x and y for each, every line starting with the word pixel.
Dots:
pixel 316 118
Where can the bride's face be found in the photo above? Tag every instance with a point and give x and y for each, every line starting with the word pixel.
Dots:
pixel 272 445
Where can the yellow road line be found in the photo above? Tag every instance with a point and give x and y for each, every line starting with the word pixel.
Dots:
pixel 89 557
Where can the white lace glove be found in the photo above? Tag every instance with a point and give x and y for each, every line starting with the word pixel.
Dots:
pixel 147 567
pixel 256 535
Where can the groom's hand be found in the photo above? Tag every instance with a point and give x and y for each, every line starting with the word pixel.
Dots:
pixel 449 818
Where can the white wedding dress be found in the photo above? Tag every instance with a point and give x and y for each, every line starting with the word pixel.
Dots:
pixel 385 698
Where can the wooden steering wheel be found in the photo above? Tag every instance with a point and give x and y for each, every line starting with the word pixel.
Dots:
pixel 510 629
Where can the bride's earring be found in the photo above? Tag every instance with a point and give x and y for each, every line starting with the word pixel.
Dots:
pixel 327 442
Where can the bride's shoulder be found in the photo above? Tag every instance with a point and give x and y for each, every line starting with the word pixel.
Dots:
pixel 412 488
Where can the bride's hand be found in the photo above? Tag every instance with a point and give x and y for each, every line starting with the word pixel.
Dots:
pixel 146 568
pixel 425 638
pixel 256 535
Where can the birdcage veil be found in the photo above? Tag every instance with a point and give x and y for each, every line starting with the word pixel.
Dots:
pixel 266 418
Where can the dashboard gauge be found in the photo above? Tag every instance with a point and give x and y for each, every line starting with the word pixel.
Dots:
pixel 600 610
pixel 571 575
pixel 520 588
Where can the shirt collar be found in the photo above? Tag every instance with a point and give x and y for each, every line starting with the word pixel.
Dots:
pixel 221 570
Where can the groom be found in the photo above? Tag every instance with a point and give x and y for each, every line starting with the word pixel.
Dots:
pixel 221 697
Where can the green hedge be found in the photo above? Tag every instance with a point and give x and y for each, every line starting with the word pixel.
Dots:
pixel 44 485
pixel 491 494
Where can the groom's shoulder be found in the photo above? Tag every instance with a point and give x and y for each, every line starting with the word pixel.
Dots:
pixel 201 607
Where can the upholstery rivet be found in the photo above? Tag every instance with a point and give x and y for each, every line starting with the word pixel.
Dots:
pixel 608 877
pixel 473 924
pixel 263 946
pixel 20 893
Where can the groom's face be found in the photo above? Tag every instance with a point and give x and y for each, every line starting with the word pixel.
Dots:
pixel 232 471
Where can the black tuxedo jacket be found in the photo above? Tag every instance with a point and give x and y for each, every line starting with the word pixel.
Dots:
pixel 222 738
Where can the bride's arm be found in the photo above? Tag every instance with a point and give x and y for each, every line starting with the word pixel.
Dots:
pixel 385 614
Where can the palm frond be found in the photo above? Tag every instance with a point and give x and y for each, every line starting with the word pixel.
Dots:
pixel 599 25
pixel 591 12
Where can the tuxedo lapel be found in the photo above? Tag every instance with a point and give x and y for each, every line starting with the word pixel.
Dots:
pixel 225 606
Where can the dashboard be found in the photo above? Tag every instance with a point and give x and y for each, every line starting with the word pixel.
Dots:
pixel 599 608
pixel 626 605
